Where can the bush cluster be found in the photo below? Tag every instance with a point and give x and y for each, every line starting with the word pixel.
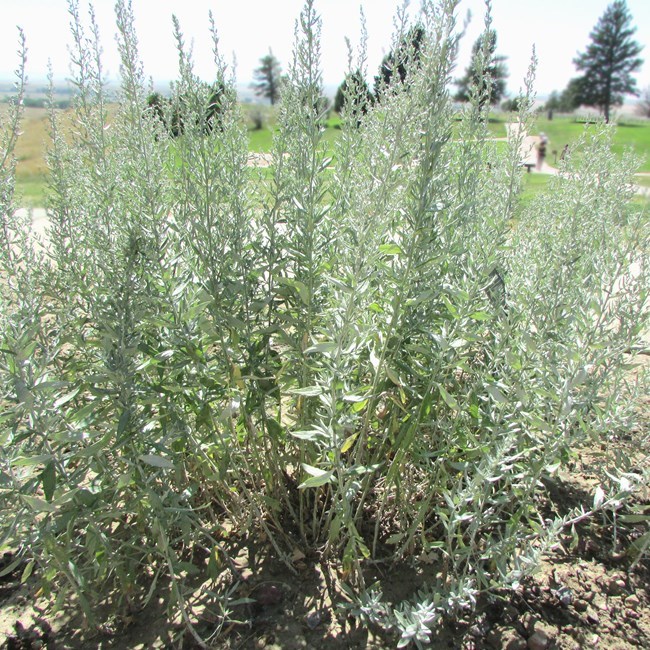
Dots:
pixel 359 356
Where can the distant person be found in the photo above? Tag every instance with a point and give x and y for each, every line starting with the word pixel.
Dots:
pixel 541 150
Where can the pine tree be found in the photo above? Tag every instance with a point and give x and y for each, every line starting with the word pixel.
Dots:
pixel 215 108
pixel 354 90
pixel 610 60
pixel 405 55
pixel 156 105
pixel 486 74
pixel 268 78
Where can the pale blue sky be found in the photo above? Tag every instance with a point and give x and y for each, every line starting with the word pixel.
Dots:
pixel 247 28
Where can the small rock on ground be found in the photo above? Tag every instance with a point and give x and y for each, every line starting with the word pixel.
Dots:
pixel 538 641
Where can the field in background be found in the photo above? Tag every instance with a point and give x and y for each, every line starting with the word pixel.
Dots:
pixel 31 173
pixel 566 129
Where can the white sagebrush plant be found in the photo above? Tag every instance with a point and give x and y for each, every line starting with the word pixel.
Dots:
pixel 366 350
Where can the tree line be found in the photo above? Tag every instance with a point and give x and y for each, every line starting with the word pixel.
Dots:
pixel 485 76
pixel 172 112
pixel 606 65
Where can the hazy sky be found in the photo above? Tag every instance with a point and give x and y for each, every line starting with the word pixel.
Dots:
pixel 248 28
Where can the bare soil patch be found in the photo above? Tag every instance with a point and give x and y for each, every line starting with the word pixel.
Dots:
pixel 589 592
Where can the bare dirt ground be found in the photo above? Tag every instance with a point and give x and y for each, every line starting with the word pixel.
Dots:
pixel 588 593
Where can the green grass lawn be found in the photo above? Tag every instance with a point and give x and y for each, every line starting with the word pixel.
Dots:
pixel 260 140
pixel 31 174
pixel 497 124
pixel 30 191
pixel 565 130
pixel 532 185
pixel 636 137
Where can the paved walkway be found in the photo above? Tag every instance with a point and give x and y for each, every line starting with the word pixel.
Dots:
pixel 528 155
pixel 528 148
pixel 40 221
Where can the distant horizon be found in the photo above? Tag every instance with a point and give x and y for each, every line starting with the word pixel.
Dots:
pixel 558 29
pixel 244 91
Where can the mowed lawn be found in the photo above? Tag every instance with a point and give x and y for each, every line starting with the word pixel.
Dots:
pixel 31 172
pixel 631 134
pixel 261 140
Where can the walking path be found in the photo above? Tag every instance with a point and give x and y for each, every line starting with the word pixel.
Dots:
pixel 528 148
pixel 39 219
pixel 528 155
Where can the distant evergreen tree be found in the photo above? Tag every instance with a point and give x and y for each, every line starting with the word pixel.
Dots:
pixel 170 112
pixel 156 103
pixel 354 89
pixel 610 60
pixel 569 99
pixel 215 106
pixel 552 104
pixel 407 54
pixel 268 78
pixel 486 73
pixel 511 105
pixel 572 96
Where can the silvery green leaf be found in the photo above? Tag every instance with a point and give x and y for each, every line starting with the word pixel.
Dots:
pixel 599 497
pixel 496 394
pixel 318 477
pixel 307 391
pixel 157 461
